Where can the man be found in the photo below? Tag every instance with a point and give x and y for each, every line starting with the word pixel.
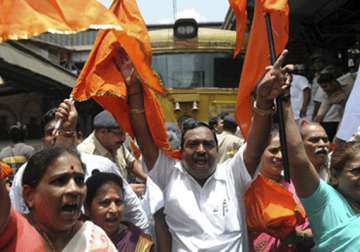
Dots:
pixel 317 145
pixel 300 95
pixel 203 203
pixel 335 92
pixel 328 112
pixel 229 143
pixel 107 140
pixel 67 137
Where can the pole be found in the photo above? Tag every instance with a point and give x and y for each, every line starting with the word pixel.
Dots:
pixel 279 106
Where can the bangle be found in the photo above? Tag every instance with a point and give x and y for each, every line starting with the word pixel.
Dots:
pixel 137 111
pixel 263 112
pixel 67 133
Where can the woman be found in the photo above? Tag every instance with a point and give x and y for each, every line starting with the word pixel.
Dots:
pixel 271 167
pixel 54 191
pixel 104 205
pixel 333 210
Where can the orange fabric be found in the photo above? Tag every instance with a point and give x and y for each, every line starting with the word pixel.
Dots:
pixel 272 209
pixel 5 170
pixel 19 235
pixel 257 54
pixel 100 79
pixel 239 8
pixel 22 19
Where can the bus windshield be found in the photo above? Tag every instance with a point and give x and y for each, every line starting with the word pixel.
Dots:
pixel 192 70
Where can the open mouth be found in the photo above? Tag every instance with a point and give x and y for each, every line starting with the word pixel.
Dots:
pixel 71 208
pixel 277 163
pixel 112 220
pixel 200 161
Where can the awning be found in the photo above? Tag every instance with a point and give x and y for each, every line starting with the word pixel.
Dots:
pixel 14 57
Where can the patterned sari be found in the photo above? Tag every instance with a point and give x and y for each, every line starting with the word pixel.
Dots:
pixel 133 239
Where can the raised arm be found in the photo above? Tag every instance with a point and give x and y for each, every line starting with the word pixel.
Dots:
pixel 306 101
pixel 138 122
pixel 270 86
pixel 67 113
pixel 302 172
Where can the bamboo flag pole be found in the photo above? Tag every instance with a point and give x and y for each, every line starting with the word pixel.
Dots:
pixel 279 111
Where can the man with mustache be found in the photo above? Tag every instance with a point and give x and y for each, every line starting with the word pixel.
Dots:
pixel 203 200
pixel 107 140
pixel 317 145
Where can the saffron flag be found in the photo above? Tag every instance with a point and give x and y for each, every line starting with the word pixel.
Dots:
pixel 239 8
pixel 258 56
pixel 22 19
pixel 100 79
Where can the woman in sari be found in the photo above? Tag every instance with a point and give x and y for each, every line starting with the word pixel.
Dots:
pixel 54 191
pixel 104 205
pixel 271 167
pixel 333 210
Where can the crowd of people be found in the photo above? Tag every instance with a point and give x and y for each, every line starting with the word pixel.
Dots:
pixel 99 194
pixel 320 90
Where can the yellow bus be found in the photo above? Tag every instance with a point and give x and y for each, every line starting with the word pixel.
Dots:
pixel 197 67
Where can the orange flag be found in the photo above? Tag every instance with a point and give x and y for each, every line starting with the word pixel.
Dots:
pixel 257 54
pixel 100 79
pixel 22 19
pixel 239 8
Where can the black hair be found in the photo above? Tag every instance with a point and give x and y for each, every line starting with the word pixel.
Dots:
pixel 97 180
pixel 40 162
pixel 182 119
pixel 326 77
pixel 229 124
pixel 213 122
pixel 195 124
pixel 47 117
pixel 223 114
pixel 17 132
pixel 50 116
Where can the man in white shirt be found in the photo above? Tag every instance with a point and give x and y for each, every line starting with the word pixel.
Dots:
pixel 300 95
pixel 332 95
pixel 203 201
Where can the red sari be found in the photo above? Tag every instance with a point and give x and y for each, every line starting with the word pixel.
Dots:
pixel 19 235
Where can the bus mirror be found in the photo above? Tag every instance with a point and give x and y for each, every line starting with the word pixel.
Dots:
pixel 185 28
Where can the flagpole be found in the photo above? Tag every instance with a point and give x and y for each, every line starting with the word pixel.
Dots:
pixel 279 106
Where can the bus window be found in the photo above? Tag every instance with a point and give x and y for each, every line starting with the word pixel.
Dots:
pixel 227 72
pixel 193 70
